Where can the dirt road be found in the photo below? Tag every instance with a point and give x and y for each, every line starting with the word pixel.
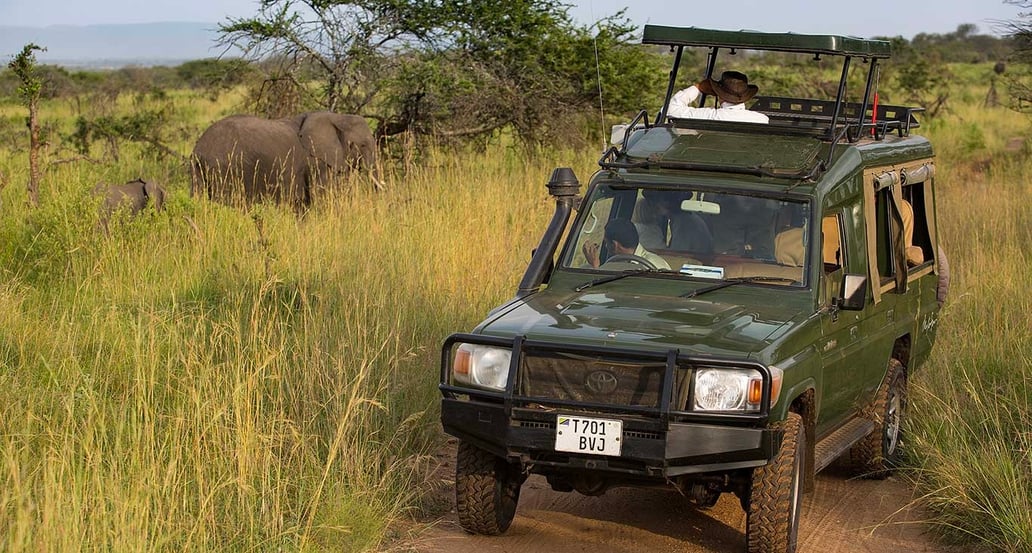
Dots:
pixel 840 516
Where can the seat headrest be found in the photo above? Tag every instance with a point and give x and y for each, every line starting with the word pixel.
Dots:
pixel 788 247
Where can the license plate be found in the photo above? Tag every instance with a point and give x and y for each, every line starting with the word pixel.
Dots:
pixel 586 435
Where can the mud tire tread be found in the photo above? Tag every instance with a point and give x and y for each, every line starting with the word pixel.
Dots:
pixel 487 490
pixel 768 527
pixel 867 457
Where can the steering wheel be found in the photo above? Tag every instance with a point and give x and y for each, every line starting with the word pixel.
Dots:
pixel 631 258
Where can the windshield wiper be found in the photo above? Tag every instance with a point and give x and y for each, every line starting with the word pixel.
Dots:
pixel 624 274
pixel 733 281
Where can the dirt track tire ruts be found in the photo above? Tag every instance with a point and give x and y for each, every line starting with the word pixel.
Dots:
pixel 487 489
pixel 775 496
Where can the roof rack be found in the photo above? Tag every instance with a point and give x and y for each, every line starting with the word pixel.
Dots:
pixel 816 116
pixel 831 120
pixel 755 40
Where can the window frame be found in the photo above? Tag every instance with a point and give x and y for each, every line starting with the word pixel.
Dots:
pixel 884 226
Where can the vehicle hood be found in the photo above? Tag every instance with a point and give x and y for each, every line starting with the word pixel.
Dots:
pixel 728 323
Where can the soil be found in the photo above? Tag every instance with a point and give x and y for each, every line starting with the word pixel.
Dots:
pixel 842 515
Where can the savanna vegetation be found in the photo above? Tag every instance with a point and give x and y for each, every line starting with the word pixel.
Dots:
pixel 212 378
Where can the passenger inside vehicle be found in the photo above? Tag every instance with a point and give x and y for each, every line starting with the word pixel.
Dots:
pixel 663 225
pixel 915 256
pixel 745 227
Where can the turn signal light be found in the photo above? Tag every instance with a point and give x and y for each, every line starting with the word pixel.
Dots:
pixel 755 391
pixel 462 363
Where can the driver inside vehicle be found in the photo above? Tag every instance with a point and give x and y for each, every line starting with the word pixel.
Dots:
pixel 622 246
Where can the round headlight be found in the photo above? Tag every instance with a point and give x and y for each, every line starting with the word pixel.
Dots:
pixel 491 367
pixel 721 389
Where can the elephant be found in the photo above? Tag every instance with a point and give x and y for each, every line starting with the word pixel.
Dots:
pixel 133 196
pixel 243 159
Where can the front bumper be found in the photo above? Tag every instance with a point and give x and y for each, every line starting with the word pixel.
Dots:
pixel 650 448
pixel 662 436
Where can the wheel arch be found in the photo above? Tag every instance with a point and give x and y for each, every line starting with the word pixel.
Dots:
pixel 901 350
pixel 805 405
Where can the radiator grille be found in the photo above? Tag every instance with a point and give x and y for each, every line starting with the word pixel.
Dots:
pixel 535 424
pixel 599 380
pixel 642 435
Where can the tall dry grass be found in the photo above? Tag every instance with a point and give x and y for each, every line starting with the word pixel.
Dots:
pixel 971 406
pixel 210 378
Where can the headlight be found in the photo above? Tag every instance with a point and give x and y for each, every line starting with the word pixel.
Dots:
pixel 733 389
pixel 483 366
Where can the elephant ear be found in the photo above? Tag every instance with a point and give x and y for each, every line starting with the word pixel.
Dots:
pixel 322 140
pixel 155 193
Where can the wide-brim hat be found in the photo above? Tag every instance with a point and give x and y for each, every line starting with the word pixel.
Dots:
pixel 733 87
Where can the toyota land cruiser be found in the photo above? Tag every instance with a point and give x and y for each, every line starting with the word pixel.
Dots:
pixel 734 306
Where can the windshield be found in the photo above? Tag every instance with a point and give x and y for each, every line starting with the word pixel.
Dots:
pixel 695 233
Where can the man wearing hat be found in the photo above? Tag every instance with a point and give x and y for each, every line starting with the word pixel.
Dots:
pixel 732 90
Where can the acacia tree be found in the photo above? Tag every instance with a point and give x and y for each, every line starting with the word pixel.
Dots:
pixel 450 67
pixel 1019 81
pixel 340 41
pixel 24 67
pixel 532 69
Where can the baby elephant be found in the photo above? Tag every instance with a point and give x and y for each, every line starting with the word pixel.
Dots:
pixel 134 196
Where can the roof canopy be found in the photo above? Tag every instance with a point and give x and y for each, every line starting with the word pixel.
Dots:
pixel 755 40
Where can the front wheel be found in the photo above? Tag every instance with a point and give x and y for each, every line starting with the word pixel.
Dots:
pixel 487 489
pixel 775 495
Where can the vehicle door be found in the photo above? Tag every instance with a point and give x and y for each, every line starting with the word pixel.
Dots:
pixel 842 345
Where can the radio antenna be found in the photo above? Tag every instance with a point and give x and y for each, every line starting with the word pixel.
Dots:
pixel 598 78
pixel 601 106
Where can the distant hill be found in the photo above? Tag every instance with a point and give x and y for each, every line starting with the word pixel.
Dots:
pixel 112 46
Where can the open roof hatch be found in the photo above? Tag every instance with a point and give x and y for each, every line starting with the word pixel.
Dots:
pixel 828 120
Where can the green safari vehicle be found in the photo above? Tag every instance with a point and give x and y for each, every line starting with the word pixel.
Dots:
pixel 729 308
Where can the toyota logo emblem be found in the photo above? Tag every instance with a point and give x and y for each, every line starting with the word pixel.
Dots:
pixel 600 382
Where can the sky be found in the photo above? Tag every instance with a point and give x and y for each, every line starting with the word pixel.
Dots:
pixel 865 18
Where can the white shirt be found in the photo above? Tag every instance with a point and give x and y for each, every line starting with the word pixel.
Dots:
pixel 656 260
pixel 681 108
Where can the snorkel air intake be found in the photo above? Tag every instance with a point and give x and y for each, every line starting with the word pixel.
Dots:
pixel 563 186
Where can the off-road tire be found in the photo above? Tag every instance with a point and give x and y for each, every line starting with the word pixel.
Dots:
pixel 877 454
pixel 775 495
pixel 487 489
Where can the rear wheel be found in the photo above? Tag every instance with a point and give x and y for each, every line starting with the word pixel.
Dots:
pixel 775 495
pixel 487 489
pixel 882 450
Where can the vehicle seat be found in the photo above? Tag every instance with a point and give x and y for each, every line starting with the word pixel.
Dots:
pixel 832 244
pixel 788 247
pixel 915 256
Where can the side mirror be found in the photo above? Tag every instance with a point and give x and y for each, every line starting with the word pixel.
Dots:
pixel 854 293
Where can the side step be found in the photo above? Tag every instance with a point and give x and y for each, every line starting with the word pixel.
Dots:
pixel 831 446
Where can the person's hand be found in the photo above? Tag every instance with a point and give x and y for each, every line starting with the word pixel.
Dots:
pixel 591 253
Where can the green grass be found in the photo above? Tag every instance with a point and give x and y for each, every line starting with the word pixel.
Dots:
pixel 971 406
pixel 207 378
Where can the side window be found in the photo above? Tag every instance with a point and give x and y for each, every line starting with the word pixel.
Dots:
pixel 831 243
pixel 917 235
pixel 883 239
pixel 911 233
pixel 900 225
